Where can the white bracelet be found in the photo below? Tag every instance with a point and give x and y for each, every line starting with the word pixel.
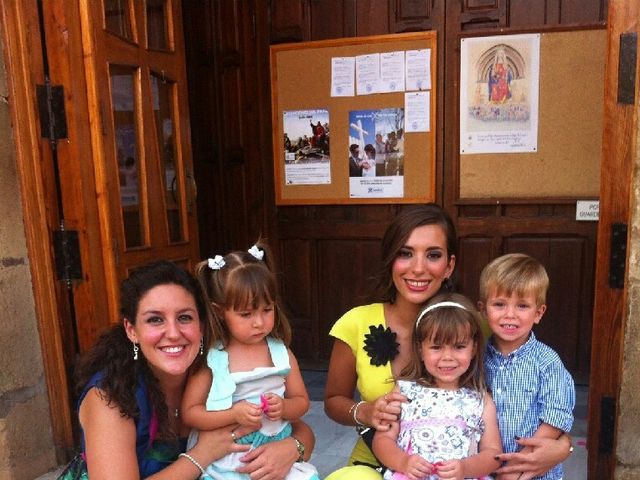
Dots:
pixel 355 413
pixel 195 462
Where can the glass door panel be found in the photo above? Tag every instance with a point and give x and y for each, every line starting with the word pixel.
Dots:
pixel 117 18
pixel 162 91
pixel 140 132
pixel 157 32
pixel 123 107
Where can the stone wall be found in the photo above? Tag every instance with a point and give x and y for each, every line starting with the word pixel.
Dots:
pixel 628 453
pixel 26 442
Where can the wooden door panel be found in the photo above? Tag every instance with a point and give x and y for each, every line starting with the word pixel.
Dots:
pixel 344 279
pixel 298 266
pixel 619 159
pixel 332 19
pixel 372 17
pixel 323 279
pixel 288 21
pixel 415 15
pixel 525 12
pixel 481 14
pixel 314 232
pixel 580 12
pixel 473 254
pixel 566 326
pixel 566 247
pixel 142 135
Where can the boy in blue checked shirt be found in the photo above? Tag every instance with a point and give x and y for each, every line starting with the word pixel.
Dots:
pixel 533 392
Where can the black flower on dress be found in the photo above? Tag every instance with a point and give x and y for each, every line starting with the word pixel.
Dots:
pixel 380 345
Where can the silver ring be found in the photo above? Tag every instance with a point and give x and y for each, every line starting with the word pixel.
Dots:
pixel 233 436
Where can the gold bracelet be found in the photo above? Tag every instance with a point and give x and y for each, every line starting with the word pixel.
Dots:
pixel 195 462
pixel 354 415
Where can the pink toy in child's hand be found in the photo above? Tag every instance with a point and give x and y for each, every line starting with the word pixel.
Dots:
pixel 264 405
pixel 437 465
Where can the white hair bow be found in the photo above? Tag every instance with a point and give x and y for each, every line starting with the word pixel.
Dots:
pixel 216 263
pixel 256 252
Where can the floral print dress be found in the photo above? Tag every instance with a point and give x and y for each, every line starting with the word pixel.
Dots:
pixel 439 424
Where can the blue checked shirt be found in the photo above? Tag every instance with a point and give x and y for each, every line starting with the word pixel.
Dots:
pixel 529 386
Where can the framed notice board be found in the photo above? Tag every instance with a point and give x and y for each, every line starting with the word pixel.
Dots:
pixel 339 135
pixel 567 160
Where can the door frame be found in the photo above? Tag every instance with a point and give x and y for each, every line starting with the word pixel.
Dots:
pixel 55 304
pixel 619 153
pixel 84 192
pixel 18 25
pixel 24 71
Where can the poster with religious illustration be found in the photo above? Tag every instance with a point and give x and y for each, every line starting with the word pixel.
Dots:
pixel 499 94
pixel 307 160
pixel 376 153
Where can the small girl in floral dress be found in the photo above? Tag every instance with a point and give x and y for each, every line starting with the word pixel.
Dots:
pixel 448 429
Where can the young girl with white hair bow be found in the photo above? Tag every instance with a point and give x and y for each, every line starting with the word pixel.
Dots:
pixel 252 379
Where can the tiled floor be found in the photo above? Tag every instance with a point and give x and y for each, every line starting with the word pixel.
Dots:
pixel 334 442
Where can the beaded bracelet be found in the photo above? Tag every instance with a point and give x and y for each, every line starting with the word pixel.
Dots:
pixel 195 462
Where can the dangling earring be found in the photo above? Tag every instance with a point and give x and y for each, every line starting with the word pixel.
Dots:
pixel 135 351
pixel 201 346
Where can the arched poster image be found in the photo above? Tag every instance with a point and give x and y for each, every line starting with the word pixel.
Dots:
pixel 499 85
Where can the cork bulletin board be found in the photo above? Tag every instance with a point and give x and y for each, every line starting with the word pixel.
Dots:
pixel 301 80
pixel 567 162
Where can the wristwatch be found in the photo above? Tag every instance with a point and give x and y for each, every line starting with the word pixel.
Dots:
pixel 300 447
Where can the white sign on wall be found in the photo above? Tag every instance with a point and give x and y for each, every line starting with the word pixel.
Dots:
pixel 588 210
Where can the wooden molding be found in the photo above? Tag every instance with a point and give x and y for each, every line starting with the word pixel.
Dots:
pixel 620 128
pixel 20 36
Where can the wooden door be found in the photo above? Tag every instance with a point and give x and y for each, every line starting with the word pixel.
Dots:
pixel 619 157
pixel 324 236
pixel 140 132
pixel 121 66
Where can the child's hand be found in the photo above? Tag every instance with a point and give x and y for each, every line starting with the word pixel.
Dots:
pixel 274 406
pixel 416 468
pixel 247 414
pixel 449 469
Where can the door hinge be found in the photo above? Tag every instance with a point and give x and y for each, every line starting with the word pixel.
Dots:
pixel 53 119
pixel 618 255
pixel 607 425
pixel 627 59
pixel 67 254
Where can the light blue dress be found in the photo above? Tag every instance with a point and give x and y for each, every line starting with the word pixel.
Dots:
pixel 228 388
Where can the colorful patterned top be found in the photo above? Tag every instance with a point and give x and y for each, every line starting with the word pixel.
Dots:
pixel 153 454
pixel 439 424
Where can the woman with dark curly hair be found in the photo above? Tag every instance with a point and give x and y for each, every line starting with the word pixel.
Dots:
pixel 131 383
